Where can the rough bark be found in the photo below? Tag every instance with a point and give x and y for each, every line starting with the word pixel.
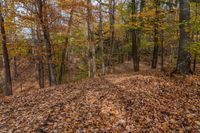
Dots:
pixel 40 64
pixel 112 4
pixel 64 51
pixel 162 51
pixel 101 36
pixel 197 38
pixel 156 38
pixel 135 40
pixel 44 25
pixel 6 62
pixel 184 57
pixel 91 37
pixel 194 62
pixel 15 58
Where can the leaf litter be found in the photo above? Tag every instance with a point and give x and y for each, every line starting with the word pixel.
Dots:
pixel 114 103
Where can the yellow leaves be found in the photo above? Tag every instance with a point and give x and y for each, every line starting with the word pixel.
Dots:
pixel 135 24
pixel 147 14
pixel 18 49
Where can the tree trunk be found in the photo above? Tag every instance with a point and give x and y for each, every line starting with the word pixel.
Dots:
pixel 135 41
pixel 135 53
pixel 184 57
pixel 44 24
pixel 156 33
pixel 194 62
pixel 62 64
pixel 112 5
pixel 91 37
pixel 40 64
pixel 7 74
pixel 89 61
pixel 15 58
pixel 41 73
pixel 101 37
pixel 162 51
pixel 197 38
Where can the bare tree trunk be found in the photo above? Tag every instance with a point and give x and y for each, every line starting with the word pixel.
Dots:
pixel 7 74
pixel 89 61
pixel 44 23
pixel 184 57
pixel 121 54
pixel 197 38
pixel 40 64
pixel 195 54
pixel 62 64
pixel 41 72
pixel 112 5
pixel 135 51
pixel 91 37
pixel 14 58
pixel 101 37
pixel 194 62
pixel 162 51
pixel 156 33
pixel 135 41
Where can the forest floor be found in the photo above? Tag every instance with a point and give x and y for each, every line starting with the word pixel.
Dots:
pixel 144 102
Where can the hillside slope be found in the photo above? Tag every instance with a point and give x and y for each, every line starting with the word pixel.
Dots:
pixel 114 103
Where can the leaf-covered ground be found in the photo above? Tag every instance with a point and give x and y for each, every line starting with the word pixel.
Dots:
pixel 115 103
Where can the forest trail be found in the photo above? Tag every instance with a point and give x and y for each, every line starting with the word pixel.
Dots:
pixel 113 103
pixel 27 80
pixel 127 67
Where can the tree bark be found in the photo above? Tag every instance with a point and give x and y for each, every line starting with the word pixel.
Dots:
pixel 15 58
pixel 64 51
pixel 184 57
pixel 7 74
pixel 135 40
pixel 162 51
pixel 91 37
pixel 101 37
pixel 112 5
pixel 156 38
pixel 197 38
pixel 44 24
pixel 194 62
pixel 40 64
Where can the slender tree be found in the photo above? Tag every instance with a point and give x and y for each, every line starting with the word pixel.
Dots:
pixel 64 51
pixel 162 51
pixel 101 36
pixel 44 24
pixel 135 51
pixel 136 7
pixel 6 61
pixel 40 59
pixel 156 35
pixel 197 37
pixel 112 4
pixel 91 44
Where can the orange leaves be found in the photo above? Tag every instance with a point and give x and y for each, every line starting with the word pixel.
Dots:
pixel 115 103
